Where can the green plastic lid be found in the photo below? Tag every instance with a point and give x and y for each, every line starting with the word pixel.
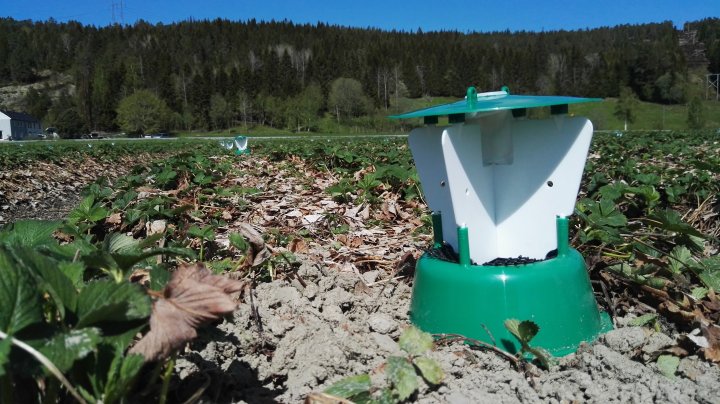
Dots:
pixel 493 101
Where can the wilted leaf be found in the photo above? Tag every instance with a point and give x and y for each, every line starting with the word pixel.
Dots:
pixel 430 369
pixel 668 364
pixel 64 349
pixel 415 342
pixel 401 374
pixel 643 320
pixel 325 398
pixel 513 326
pixel 192 297
pixel 350 386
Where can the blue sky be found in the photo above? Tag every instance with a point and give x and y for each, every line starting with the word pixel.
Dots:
pixel 477 15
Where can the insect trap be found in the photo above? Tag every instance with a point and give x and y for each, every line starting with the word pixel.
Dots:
pixel 239 144
pixel 501 187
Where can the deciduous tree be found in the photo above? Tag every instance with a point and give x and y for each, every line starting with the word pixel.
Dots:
pixel 347 98
pixel 696 115
pixel 142 112
pixel 626 105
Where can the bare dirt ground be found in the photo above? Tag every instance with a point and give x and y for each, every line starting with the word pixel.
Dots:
pixel 341 312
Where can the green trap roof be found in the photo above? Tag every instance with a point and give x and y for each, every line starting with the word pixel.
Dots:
pixel 493 101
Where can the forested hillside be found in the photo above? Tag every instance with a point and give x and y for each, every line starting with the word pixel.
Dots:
pixel 215 74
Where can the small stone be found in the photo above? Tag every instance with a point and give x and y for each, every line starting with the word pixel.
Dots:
pixel 310 291
pixel 370 276
pixel 382 323
pixel 625 339
pixel 385 343
pixel 656 342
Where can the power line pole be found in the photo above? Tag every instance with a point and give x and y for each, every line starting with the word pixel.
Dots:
pixel 118 10
pixel 713 82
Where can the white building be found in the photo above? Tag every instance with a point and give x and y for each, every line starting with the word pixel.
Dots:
pixel 18 126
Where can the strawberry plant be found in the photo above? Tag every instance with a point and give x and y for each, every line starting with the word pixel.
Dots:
pixel 401 372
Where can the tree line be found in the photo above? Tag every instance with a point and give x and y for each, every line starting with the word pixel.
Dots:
pixel 217 74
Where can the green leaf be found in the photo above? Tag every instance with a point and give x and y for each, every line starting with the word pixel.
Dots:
pixel 680 258
pixel 121 376
pixel 546 359
pixel 643 320
pixel 159 277
pixel 120 243
pixel 29 233
pixel 107 301
pixel 238 241
pixel 671 220
pixel 73 271
pixel 205 232
pixel 667 365
pixel 385 397
pixel 5 346
pixel 64 349
pixel 88 211
pixel 350 386
pixel 710 274
pixel 605 213
pixel 415 342
pixel 524 331
pixel 20 303
pixel 528 330
pixel 699 293
pixel 401 375
pixel 430 369
pixel 48 277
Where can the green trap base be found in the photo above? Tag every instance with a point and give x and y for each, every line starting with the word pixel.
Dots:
pixel 475 300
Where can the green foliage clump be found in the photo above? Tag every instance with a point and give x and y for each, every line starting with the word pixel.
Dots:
pixel 401 372
pixel 142 112
pixel 696 114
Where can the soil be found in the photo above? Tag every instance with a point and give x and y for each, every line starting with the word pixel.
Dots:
pixel 309 337
pixel 343 311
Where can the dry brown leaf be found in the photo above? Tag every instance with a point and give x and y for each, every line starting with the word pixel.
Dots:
pixel 193 296
pixel 323 398
pixel 156 227
pixel 712 334
pixel 115 218
pixel 298 245
pixel 252 236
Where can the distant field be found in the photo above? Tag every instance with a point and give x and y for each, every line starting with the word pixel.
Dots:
pixel 649 116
